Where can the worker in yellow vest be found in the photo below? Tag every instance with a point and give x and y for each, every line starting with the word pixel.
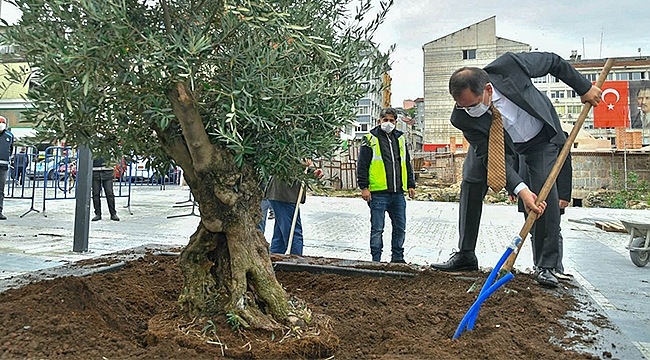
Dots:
pixel 384 175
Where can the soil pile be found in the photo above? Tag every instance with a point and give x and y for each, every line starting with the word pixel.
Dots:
pixel 132 314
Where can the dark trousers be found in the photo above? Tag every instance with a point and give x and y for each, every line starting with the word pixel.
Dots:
pixel 103 179
pixel 540 158
pixel 20 175
pixel 469 213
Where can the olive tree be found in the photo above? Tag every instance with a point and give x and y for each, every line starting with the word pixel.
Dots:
pixel 230 90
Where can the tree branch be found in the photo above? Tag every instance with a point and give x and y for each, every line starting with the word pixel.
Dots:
pixel 176 149
pixel 198 142
pixel 167 16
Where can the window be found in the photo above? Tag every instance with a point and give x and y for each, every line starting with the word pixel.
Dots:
pixel 573 94
pixel 637 76
pixel 574 109
pixel 622 76
pixel 361 128
pixel 364 110
pixel 592 77
pixel 469 54
pixel 557 94
pixel 540 80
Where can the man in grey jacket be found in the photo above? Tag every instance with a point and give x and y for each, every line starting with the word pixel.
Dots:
pixel 283 198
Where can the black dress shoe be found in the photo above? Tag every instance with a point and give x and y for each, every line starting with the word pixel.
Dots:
pixel 460 261
pixel 115 218
pixel 2 217
pixel 402 261
pixel 97 217
pixel 545 277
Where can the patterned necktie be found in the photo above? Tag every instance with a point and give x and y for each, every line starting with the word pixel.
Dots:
pixel 496 162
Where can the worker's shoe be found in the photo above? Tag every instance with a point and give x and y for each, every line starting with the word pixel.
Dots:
pixel 114 217
pixel 96 218
pixel 2 217
pixel 400 261
pixel 460 261
pixel 546 278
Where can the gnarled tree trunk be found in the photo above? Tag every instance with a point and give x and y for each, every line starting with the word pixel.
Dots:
pixel 226 265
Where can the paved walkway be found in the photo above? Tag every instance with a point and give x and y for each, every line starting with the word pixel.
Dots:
pixel 339 227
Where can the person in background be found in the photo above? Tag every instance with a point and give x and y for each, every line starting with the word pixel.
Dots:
pixel 21 162
pixel 283 198
pixel 103 178
pixel 6 148
pixel 384 175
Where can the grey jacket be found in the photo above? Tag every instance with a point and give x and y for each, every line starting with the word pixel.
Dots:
pixel 281 191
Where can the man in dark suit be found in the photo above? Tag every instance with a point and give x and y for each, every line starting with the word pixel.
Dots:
pixel 532 128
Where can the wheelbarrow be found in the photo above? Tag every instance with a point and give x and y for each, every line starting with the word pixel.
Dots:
pixel 639 244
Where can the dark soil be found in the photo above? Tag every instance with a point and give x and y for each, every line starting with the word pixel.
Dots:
pixel 132 314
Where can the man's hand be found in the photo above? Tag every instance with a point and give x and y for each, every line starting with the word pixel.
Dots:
pixel 318 173
pixel 411 193
pixel 365 194
pixel 563 204
pixel 528 197
pixel 512 198
pixel 592 96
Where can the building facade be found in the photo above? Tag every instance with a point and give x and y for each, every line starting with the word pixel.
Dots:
pixel 476 45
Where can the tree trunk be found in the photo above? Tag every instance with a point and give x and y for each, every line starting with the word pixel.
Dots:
pixel 226 265
pixel 230 271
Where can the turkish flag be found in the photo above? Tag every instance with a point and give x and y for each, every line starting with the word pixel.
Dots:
pixel 613 110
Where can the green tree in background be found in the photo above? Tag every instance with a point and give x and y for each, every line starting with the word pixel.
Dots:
pixel 231 91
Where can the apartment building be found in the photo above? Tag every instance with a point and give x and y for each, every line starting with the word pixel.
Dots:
pixel 476 45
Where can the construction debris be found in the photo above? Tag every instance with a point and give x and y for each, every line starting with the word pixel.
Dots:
pixel 610 226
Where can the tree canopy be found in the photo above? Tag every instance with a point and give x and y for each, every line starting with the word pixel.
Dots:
pixel 272 80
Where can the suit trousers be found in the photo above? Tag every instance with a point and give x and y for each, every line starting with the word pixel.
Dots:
pixel 540 158
pixel 469 213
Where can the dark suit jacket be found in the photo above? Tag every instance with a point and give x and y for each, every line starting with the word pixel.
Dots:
pixel 637 123
pixel 511 75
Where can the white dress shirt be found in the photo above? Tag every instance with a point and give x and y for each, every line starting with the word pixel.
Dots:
pixel 520 125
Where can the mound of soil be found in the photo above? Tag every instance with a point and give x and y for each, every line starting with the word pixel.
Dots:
pixel 132 313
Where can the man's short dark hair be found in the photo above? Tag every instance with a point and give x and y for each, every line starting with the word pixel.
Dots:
pixel 388 111
pixel 472 78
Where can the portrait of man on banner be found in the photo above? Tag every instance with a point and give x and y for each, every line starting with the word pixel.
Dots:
pixel 640 108
pixel 613 111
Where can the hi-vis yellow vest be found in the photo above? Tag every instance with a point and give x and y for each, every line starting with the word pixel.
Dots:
pixel 377 172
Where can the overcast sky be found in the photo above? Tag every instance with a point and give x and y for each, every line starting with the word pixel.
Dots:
pixel 553 25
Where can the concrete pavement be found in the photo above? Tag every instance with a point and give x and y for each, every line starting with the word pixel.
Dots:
pixel 339 227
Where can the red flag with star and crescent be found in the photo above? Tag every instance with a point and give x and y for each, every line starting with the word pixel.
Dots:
pixel 613 110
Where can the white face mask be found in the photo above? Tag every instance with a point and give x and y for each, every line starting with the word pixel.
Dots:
pixel 3 126
pixel 387 127
pixel 477 110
